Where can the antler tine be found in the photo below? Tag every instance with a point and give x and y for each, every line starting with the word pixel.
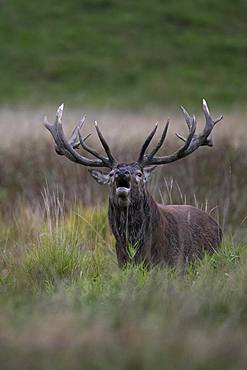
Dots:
pixel 208 115
pixel 161 141
pixel 187 116
pixel 181 137
pixel 146 143
pixel 67 147
pixel 206 134
pixel 74 141
pixel 191 143
pixel 191 135
pixel 104 144
pixel 191 123
pixel 53 128
pixel 89 149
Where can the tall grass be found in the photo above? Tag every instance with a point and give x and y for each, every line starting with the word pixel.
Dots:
pixel 65 304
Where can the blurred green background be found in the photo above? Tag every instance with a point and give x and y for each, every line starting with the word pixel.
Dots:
pixel 123 53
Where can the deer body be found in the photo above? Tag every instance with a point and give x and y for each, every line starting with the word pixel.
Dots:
pixel 162 234
pixel 158 234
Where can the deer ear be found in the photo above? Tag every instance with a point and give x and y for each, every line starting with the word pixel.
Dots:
pixel 100 177
pixel 148 172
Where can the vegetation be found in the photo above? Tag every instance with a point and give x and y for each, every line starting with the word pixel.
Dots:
pixel 123 53
pixel 65 304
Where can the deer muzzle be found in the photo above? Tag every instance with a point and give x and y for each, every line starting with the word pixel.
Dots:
pixel 123 187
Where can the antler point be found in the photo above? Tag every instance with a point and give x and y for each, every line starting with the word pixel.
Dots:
pixel 60 112
pixel 205 105
pixel 82 120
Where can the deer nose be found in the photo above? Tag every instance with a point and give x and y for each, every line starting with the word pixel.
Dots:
pixel 122 174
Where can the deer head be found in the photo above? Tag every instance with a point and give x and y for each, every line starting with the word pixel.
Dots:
pixel 127 182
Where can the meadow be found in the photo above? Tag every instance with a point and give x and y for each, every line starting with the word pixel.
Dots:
pixel 64 302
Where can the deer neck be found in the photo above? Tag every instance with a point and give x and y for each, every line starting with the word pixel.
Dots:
pixel 130 225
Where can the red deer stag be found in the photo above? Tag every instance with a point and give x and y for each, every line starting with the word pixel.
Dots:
pixel 145 231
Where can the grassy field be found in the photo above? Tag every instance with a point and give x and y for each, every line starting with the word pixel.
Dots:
pixel 64 302
pixel 123 53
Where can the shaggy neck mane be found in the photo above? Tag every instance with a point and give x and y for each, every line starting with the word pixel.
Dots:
pixel 130 224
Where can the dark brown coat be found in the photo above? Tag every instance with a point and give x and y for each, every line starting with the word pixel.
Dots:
pixel 162 234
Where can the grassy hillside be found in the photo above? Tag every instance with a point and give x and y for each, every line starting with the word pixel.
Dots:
pixel 123 53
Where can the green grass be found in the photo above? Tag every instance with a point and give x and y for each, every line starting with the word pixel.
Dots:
pixel 123 53
pixel 66 305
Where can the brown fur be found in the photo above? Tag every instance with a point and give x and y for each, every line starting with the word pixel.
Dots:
pixel 162 234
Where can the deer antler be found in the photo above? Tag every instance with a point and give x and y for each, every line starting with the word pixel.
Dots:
pixel 68 147
pixel 191 143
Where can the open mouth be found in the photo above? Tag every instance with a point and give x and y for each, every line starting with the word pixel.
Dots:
pixel 122 183
pixel 123 190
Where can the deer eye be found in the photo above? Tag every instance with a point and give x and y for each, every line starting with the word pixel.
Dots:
pixel 110 174
pixel 139 174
